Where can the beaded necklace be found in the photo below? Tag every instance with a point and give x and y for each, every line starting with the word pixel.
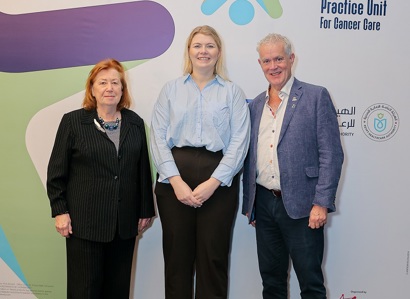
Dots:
pixel 108 126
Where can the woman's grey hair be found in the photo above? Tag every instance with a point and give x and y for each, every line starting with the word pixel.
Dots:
pixel 273 38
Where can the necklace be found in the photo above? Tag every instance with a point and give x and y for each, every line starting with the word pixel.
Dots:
pixel 108 126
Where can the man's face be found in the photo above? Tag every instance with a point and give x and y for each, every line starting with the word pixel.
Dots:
pixel 276 64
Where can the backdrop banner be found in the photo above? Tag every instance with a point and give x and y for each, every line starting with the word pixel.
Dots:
pixel 48 47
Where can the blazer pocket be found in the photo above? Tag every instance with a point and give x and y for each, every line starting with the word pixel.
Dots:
pixel 312 172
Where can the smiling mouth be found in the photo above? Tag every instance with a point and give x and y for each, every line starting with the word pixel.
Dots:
pixel 275 73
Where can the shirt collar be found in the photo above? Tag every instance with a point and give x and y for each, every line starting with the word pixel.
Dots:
pixel 285 89
pixel 217 78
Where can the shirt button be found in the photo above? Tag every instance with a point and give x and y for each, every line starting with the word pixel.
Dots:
pixel 116 177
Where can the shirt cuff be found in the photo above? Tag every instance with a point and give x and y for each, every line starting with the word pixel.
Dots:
pixel 223 173
pixel 167 170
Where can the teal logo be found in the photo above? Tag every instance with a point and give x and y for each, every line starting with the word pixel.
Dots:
pixel 380 122
pixel 241 12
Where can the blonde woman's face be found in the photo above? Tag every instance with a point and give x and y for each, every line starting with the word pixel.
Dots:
pixel 204 53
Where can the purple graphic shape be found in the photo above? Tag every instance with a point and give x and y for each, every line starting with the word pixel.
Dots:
pixel 84 36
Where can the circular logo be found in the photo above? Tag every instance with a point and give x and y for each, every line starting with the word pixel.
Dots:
pixel 380 122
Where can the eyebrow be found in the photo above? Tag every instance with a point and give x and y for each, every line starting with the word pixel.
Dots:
pixel 105 79
pixel 198 43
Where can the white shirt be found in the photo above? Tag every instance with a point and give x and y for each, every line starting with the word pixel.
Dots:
pixel 267 165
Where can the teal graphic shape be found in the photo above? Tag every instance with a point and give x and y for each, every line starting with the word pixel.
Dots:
pixel 380 124
pixel 208 7
pixel 6 254
pixel 242 12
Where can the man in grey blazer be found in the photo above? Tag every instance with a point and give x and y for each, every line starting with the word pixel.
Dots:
pixel 291 173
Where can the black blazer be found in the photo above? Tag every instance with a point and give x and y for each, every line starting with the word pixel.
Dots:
pixel 101 190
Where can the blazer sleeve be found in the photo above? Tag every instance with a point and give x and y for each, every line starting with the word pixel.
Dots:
pixel 58 168
pixel 147 197
pixel 330 152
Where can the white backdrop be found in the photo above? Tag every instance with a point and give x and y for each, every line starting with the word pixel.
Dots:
pixel 365 71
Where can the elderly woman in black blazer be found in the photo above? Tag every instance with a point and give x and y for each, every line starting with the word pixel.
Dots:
pixel 99 185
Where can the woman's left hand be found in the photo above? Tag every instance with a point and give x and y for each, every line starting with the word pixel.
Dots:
pixel 143 224
pixel 205 190
pixel 63 225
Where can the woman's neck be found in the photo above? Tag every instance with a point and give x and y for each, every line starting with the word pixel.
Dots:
pixel 108 113
pixel 201 79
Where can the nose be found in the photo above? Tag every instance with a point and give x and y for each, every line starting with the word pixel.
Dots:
pixel 203 49
pixel 273 63
pixel 109 86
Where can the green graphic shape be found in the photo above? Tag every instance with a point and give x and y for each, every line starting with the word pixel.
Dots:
pixel 272 7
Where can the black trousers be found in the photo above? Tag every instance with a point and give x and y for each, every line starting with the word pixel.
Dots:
pixel 197 241
pixel 278 237
pixel 97 270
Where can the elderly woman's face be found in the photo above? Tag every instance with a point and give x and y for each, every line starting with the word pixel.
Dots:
pixel 107 88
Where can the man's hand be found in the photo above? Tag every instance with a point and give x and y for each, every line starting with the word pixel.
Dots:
pixel 318 217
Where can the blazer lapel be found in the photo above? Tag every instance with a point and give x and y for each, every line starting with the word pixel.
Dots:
pixel 257 117
pixel 88 118
pixel 294 98
pixel 127 121
pixel 125 126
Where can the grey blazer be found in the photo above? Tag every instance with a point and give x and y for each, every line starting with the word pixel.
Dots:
pixel 103 191
pixel 309 152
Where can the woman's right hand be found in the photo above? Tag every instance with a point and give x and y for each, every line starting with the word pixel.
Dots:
pixel 183 192
pixel 63 225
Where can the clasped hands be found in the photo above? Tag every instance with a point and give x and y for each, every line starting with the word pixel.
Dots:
pixel 193 198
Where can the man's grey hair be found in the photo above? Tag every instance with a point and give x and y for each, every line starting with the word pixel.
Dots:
pixel 273 38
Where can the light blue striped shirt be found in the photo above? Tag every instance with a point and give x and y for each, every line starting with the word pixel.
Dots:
pixel 216 118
